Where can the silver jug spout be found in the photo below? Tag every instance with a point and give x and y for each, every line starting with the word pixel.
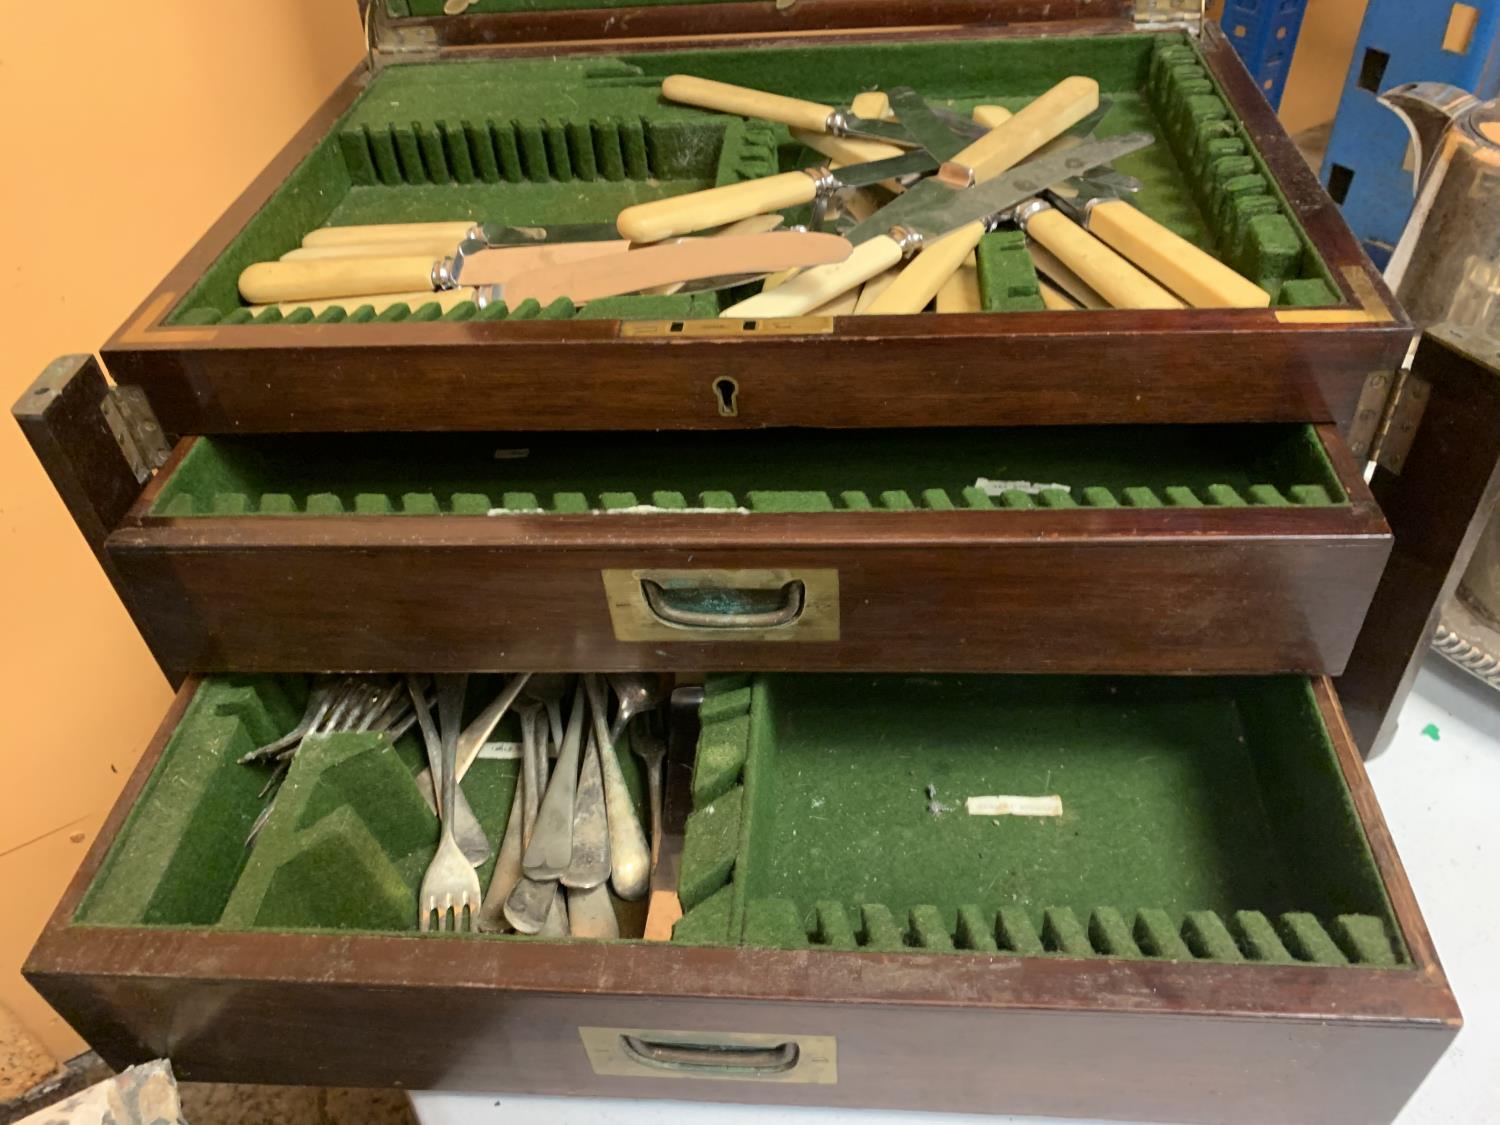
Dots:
pixel 1427 109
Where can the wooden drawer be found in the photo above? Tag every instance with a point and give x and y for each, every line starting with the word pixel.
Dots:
pixel 1253 793
pixel 1205 549
pixel 406 140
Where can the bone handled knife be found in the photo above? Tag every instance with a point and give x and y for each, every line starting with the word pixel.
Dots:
pixel 1099 206
pixel 1192 273
pixel 920 214
pixel 691 259
pixel 452 232
pixel 1111 276
pixel 840 121
pixel 320 279
pixel 700 210
pixel 927 274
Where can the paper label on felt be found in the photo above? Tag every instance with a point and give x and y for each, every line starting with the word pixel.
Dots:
pixel 1015 806
pixel 1032 488
pixel 504 751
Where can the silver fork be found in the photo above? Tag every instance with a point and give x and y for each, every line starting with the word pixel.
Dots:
pixel 451 882
pixel 344 709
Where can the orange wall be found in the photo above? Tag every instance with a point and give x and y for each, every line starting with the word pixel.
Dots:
pixel 131 128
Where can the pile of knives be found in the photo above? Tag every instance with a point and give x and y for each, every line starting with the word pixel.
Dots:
pixel 897 208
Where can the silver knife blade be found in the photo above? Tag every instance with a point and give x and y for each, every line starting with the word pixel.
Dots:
pixel 499 234
pixel 932 207
pixel 926 128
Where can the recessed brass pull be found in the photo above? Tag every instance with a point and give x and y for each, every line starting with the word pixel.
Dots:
pixel 660 601
pixel 785 1058
pixel 740 1060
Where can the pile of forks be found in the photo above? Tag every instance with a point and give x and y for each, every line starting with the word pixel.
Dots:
pixel 572 841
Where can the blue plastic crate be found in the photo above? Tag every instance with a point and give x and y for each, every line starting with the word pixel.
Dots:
pixel 1401 41
pixel 1264 34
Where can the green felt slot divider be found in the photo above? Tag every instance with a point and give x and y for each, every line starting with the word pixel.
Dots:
pixel 344 848
pixel 1202 820
pixel 576 139
pixel 755 472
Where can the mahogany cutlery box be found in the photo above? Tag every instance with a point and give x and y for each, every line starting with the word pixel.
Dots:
pixel 522 116
pixel 1128 560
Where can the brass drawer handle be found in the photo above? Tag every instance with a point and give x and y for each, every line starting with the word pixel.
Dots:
pixel 658 600
pixel 740 1060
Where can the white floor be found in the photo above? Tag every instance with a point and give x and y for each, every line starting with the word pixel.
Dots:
pixel 1439 785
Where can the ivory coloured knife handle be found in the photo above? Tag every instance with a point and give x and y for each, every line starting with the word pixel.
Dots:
pixel 268 283
pixel 872 105
pixel 444 299
pixel 1108 274
pixel 1193 274
pixel 1025 131
pixel 1055 299
pixel 430 247
pixel 452 233
pixel 873 288
pixel 713 207
pixel 846 150
pixel 705 93
pixel 960 293
pixel 925 274
pixel 990 115
pixel 1049 267
pixel 813 288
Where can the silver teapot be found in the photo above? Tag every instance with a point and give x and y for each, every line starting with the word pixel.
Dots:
pixel 1447 264
pixel 1447 267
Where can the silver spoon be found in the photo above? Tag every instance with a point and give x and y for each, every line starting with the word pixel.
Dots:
pixel 551 846
pixel 638 692
pixel 589 865
pixel 630 858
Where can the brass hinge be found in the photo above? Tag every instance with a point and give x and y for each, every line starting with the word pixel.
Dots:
pixel 1399 423
pixel 136 431
pixel 388 39
pixel 1162 15
pixel 1369 412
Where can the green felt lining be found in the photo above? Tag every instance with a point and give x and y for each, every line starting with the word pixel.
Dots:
pixel 536 141
pixel 1203 819
pixel 754 471
pixel 345 848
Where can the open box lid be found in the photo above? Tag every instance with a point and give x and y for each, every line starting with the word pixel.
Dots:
pixel 404 30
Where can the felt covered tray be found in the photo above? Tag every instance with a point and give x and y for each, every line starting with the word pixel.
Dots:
pixel 529 138
pixel 1215 549
pixel 1219 886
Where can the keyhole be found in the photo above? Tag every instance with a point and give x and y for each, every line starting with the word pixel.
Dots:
pixel 727 391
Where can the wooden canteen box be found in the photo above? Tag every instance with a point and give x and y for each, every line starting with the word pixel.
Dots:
pixel 1172 568
pixel 557 116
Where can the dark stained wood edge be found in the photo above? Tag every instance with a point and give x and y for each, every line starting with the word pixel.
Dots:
pixel 67 953
pixel 611 28
pixel 1403 899
pixel 1019 369
pixel 1438 505
pixel 854 531
pixel 60 415
pixel 1304 193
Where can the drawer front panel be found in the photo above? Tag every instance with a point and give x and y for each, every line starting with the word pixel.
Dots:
pixel 1154 1039
pixel 1164 594
pixel 1157 1067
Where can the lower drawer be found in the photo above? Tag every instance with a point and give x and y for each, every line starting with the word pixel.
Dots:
pixel 1211 549
pixel 1214 928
